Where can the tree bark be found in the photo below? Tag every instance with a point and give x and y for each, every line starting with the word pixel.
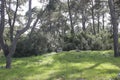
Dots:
pixel 98 16
pixel 8 61
pixel 103 21
pixel 71 21
pixel 36 21
pixel 83 20
pixel 114 18
pixel 93 19
pixel 13 24
pixel 2 24
pixel 9 51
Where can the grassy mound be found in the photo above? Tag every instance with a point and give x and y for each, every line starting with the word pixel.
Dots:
pixel 84 65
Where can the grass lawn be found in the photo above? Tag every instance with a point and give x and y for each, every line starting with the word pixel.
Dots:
pixel 84 65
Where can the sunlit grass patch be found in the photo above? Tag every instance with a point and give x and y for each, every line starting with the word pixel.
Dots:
pixel 87 65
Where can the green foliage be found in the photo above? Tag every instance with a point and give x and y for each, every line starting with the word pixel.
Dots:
pixel 119 44
pixel 24 48
pixel 35 45
pixel 87 65
pixel 69 46
pixel 88 41
pixel 1 53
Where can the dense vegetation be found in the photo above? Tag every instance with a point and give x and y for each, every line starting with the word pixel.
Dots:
pixel 59 40
pixel 82 41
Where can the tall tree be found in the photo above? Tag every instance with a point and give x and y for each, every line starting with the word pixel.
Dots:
pixel 2 24
pixel 71 20
pixel 103 20
pixel 114 18
pixel 83 13
pixel 93 18
pixel 9 50
pixel 98 17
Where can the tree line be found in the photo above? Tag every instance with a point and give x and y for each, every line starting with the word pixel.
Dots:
pixel 69 25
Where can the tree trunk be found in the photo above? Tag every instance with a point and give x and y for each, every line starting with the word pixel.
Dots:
pixel 98 16
pixel 8 61
pixel 114 18
pixel 9 51
pixel 83 20
pixel 12 24
pixel 2 42
pixel 71 21
pixel 2 26
pixel 103 21
pixel 6 50
pixel 93 19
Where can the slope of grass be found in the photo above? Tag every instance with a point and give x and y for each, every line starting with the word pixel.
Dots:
pixel 84 65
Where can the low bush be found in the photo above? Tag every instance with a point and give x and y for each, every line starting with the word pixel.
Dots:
pixel 36 45
pixel 87 41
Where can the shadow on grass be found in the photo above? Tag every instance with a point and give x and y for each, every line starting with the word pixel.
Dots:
pixel 75 73
pixel 87 56
pixel 88 65
pixel 70 72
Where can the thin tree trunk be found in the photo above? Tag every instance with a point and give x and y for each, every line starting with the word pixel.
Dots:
pixel 14 20
pixel 98 16
pixel 93 19
pixel 103 21
pixel 71 21
pixel 83 20
pixel 36 21
pixel 115 26
pixel 2 23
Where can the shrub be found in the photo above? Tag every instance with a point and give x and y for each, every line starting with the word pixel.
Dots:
pixel 86 41
pixel 36 45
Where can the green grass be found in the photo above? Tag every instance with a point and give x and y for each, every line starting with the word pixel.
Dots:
pixel 87 65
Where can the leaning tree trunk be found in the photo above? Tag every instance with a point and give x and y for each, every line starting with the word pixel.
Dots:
pixel 12 51
pixel 115 26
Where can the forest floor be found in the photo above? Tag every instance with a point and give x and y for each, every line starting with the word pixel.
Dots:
pixel 72 65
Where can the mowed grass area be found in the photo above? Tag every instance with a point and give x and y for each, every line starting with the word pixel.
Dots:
pixel 84 65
